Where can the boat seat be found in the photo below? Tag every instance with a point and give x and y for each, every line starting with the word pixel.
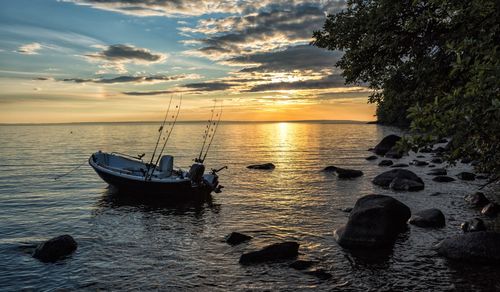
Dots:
pixel 166 166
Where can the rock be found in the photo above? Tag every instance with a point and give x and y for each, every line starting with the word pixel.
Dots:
pixel 428 218
pixel 394 153
pixel 443 140
pixel 400 165
pixel 477 247
pixel 386 144
pixel 437 160
pixel 466 160
pixel 262 166
pixel 273 252
pixel 235 238
pixel 435 194
pixel 420 163
pixel 344 172
pixel 473 225
pixel 55 248
pixel 443 178
pixel 432 165
pixel 301 264
pixel 371 149
pixel 347 210
pixel 425 150
pixel 420 156
pixel 320 274
pixel 385 162
pixel 385 179
pixel 438 171
pixel 490 210
pixel 477 200
pixel 466 176
pixel 403 184
pixel 373 157
pixel 439 149
pixel 481 176
pixel 374 222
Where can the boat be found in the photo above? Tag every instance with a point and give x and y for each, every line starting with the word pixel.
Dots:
pixel 129 174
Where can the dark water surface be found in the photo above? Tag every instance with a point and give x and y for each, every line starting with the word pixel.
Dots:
pixel 126 244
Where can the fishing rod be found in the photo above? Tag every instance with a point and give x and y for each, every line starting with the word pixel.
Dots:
pixel 207 130
pixel 213 132
pixel 169 132
pixel 160 130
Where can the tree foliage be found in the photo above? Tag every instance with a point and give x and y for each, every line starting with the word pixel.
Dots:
pixel 433 65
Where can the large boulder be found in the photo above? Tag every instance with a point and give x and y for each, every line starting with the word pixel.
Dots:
pixel 262 166
pixel 374 222
pixel 235 238
pixel 428 218
pixel 386 144
pixel 473 225
pixel 273 252
pixel 55 249
pixel 400 177
pixel 344 172
pixel 476 199
pixel 403 184
pixel 478 247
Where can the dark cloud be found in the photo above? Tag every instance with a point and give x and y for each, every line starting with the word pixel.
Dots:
pixel 301 58
pixel 128 79
pixel 127 53
pixel 330 81
pixel 192 88
pixel 152 92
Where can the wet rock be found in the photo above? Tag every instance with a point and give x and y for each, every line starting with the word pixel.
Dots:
pixel 466 176
pixel 437 160
pixel 443 178
pixel 385 179
pixel 477 200
pixel 403 184
pixel 439 149
pixel 432 165
pixel 490 210
pixel 273 252
pixel 386 144
pixel 466 160
pixel 477 247
pixel 235 238
pixel 481 176
pixel 425 150
pixel 344 173
pixel 372 157
pixel 438 171
pixel 435 194
pixel 473 225
pixel 302 265
pixel 374 222
pixel 371 149
pixel 55 248
pixel 262 166
pixel 386 162
pixel 428 218
pixel 400 165
pixel 320 274
pixel 394 153
pixel 420 156
pixel 444 140
pixel 420 163
pixel 347 210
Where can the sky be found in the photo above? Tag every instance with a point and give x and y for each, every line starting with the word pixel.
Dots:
pixel 112 60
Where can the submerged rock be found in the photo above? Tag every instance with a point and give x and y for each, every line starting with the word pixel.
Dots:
pixel 347 210
pixel 386 144
pixel 372 157
pixel 235 238
pixel 473 225
pixel 482 176
pixel 262 166
pixel 301 264
pixel 397 165
pixel 386 179
pixel 55 248
pixel 437 160
pixel 344 172
pixel 477 200
pixel 477 247
pixel 374 222
pixel 386 162
pixel 320 274
pixel 438 171
pixel 420 163
pixel 490 210
pixel 273 252
pixel 428 218
pixel 466 176
pixel 443 178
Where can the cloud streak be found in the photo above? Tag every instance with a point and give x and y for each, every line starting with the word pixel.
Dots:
pixel 29 49
pixel 128 79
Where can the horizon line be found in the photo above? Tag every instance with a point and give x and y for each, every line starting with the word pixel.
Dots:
pixel 187 121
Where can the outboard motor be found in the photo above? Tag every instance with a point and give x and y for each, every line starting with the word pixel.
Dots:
pixel 196 172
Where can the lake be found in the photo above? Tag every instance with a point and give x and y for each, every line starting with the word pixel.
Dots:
pixel 126 244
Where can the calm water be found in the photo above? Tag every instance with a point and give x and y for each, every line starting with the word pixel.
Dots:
pixel 129 245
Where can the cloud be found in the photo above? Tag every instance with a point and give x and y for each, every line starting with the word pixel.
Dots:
pixel 330 81
pixel 29 49
pixel 131 79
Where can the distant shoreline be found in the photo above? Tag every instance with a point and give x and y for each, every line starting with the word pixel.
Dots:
pixel 192 122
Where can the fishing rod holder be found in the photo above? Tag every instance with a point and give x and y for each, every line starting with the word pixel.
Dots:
pixel 214 171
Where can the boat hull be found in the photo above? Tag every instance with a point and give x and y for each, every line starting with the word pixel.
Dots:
pixel 183 190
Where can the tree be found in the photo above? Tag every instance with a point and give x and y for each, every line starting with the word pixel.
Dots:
pixel 433 65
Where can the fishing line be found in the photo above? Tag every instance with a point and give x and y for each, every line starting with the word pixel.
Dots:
pixel 64 174
pixel 213 134
pixel 207 130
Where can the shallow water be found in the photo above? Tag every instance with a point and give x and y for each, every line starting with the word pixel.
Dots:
pixel 126 244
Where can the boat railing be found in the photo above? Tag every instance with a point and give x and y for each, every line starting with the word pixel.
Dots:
pixel 138 157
